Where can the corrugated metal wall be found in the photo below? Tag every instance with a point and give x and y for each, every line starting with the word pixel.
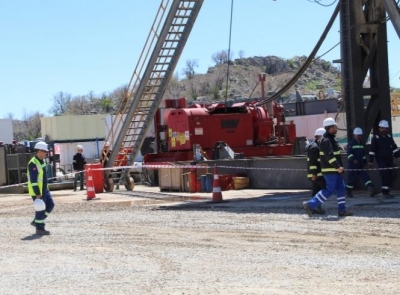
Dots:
pixel 74 128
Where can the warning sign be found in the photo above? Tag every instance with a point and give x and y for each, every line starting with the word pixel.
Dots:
pixel 198 131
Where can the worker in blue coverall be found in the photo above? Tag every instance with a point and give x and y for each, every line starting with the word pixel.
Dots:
pixel 332 170
pixel 383 148
pixel 356 163
pixel 314 167
pixel 38 188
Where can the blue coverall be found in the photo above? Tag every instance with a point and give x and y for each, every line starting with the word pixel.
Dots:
pixel 330 161
pixel 383 148
pixel 356 153
pixel 40 216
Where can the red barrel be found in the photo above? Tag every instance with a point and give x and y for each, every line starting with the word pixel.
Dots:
pixel 198 184
pixel 97 176
pixel 180 103
pixel 168 103
pixel 193 181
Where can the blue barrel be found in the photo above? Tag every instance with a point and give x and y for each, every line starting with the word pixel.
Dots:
pixel 209 182
pixel 203 183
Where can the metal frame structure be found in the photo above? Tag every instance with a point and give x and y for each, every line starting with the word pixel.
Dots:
pixel 364 51
pixel 393 10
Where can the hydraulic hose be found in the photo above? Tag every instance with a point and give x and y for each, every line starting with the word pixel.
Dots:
pixel 307 63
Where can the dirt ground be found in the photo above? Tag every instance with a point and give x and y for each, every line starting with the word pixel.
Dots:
pixel 255 243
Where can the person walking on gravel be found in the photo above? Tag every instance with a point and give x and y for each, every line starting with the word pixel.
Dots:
pixel 314 167
pixel 38 188
pixel 332 169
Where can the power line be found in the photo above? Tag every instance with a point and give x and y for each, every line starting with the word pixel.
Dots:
pixel 395 75
pixel 319 2
pixel 229 53
pixel 318 57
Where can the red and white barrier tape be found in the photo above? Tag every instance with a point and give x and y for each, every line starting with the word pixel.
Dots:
pixel 170 166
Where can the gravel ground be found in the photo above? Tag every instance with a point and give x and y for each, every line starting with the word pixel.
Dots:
pixel 117 248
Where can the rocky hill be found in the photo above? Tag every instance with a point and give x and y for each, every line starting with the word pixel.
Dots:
pixel 244 76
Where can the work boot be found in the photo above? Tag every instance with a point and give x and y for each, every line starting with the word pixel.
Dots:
pixel 308 209
pixel 373 191
pixel 345 213
pixel 42 232
pixel 318 210
pixel 349 194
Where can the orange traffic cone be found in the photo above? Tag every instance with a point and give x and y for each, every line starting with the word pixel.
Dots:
pixel 217 195
pixel 90 193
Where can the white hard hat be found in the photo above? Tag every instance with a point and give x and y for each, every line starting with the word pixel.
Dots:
pixel 358 131
pixel 79 147
pixel 319 132
pixel 41 145
pixel 107 144
pixel 39 205
pixel 329 122
pixel 384 124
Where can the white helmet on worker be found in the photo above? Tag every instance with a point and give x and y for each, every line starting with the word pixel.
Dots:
pixel 383 124
pixel 41 145
pixel 107 143
pixel 358 131
pixel 79 147
pixel 329 122
pixel 319 132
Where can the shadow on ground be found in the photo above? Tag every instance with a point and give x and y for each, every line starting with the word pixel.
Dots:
pixel 32 237
pixel 270 203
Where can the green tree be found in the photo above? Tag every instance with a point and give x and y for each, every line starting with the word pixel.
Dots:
pixel 106 104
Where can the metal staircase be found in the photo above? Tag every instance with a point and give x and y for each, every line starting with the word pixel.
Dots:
pixel 147 86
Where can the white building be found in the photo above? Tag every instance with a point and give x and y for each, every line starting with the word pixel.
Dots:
pixel 6 131
pixel 90 131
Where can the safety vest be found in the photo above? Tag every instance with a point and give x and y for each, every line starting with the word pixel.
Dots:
pixel 40 167
pixel 313 160
pixel 329 151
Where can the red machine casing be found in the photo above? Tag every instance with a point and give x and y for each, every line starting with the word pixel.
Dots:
pixel 190 126
pixel 245 127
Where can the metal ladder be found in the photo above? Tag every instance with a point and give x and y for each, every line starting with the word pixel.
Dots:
pixel 148 84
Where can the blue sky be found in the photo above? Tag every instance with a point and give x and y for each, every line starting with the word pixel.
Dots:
pixel 80 46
